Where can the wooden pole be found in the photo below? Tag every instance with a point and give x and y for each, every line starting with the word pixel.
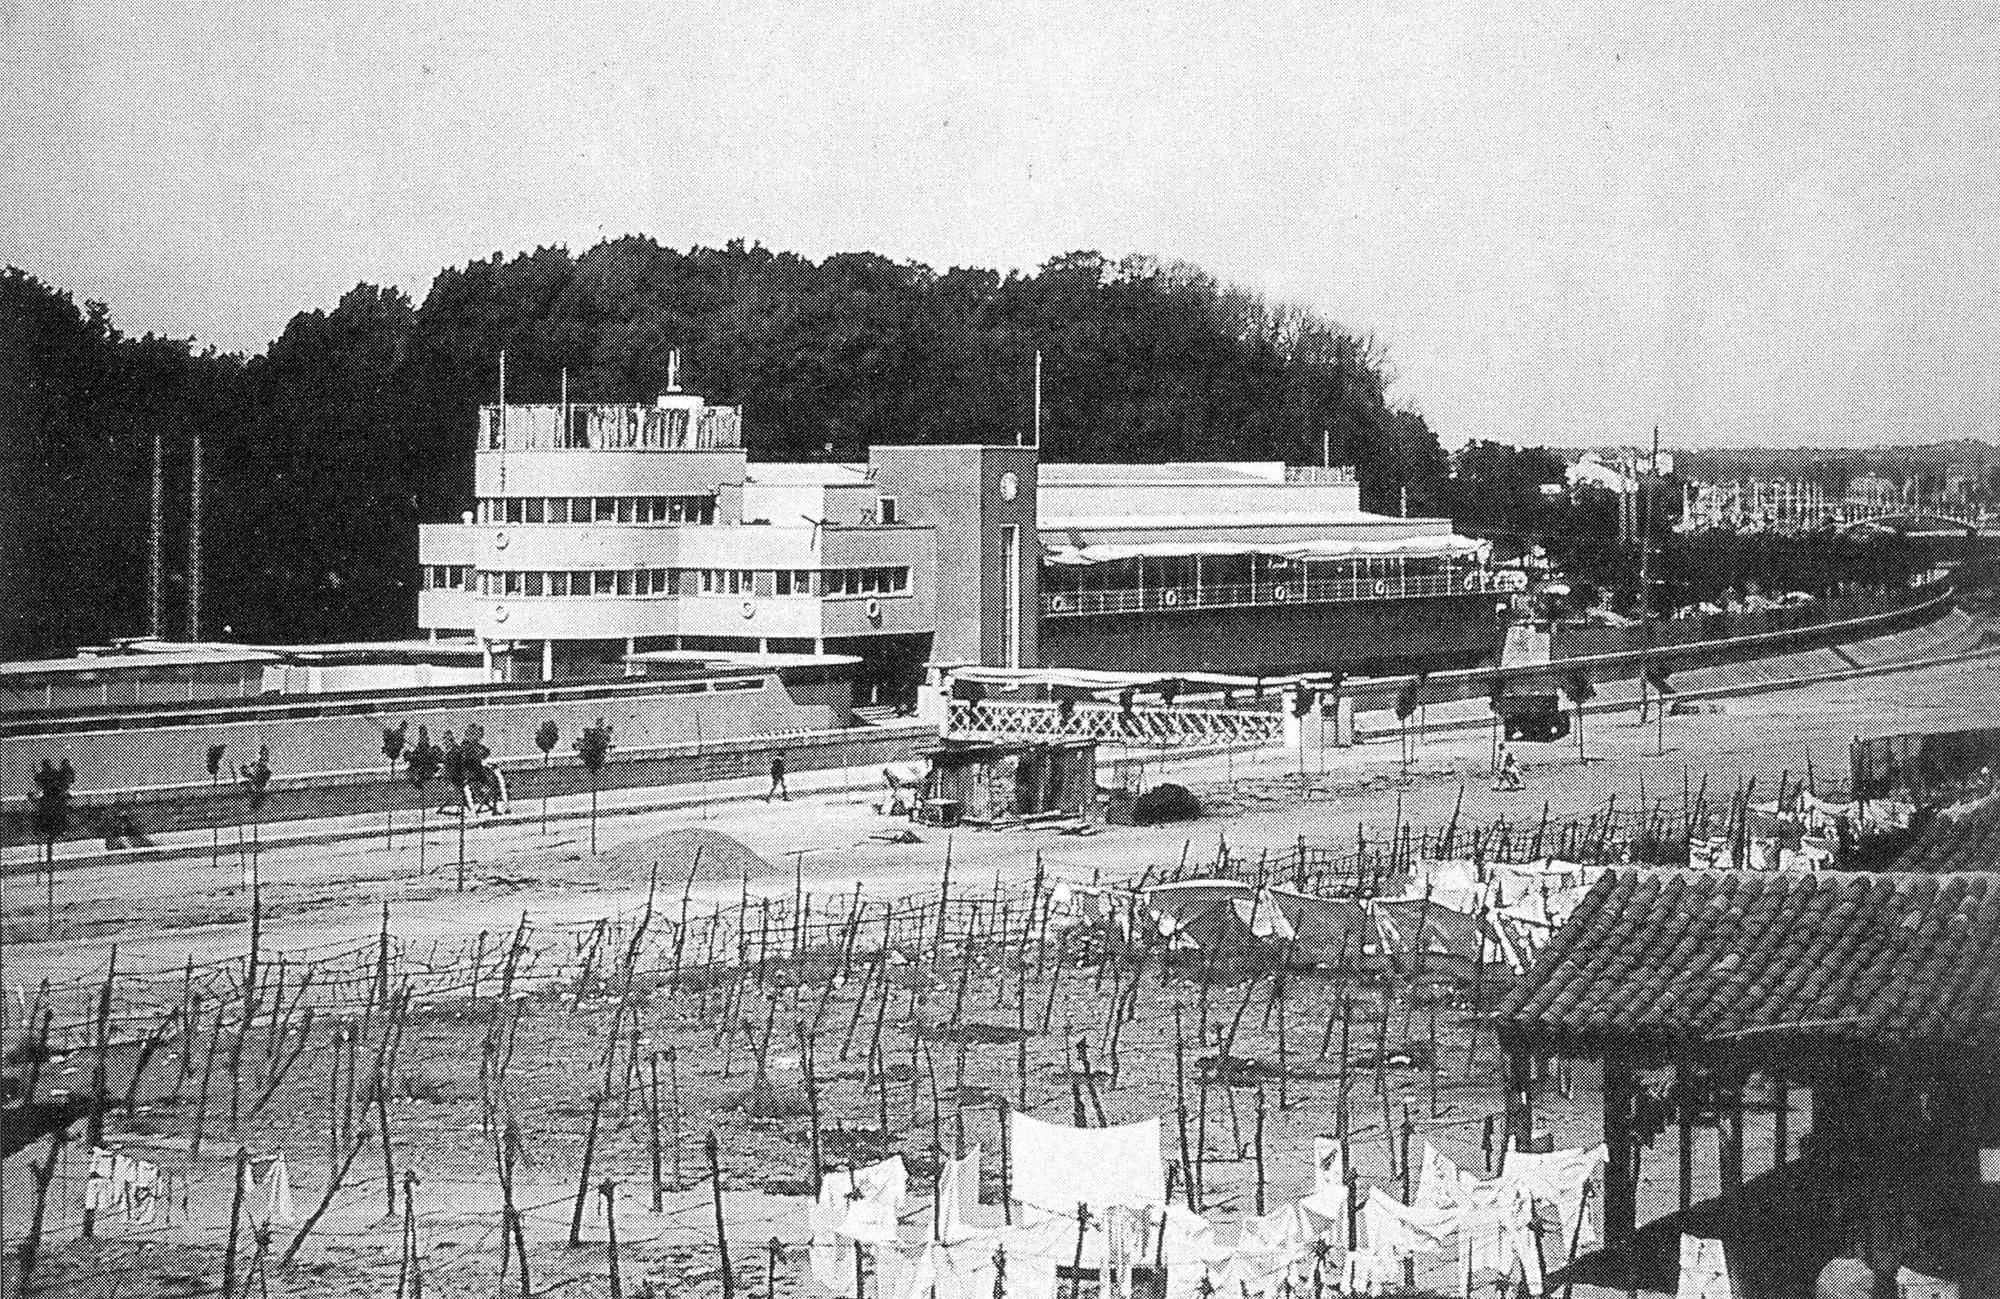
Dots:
pixel 653 1111
pixel 583 1176
pixel 241 1165
pixel 714 1149
pixel 609 1190
pixel 1261 1110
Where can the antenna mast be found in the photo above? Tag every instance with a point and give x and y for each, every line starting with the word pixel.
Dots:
pixel 1038 402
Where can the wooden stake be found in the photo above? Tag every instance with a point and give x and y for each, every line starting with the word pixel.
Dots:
pixel 721 1231
pixel 609 1190
pixel 242 1168
pixel 583 1176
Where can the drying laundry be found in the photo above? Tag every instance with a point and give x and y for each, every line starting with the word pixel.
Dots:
pixel 1496 1233
pixel 1915 1285
pixel 829 1256
pixel 1057 1168
pixel 100 1191
pixel 142 1200
pixel 1271 1251
pixel 962 1270
pixel 1707 1272
pixel 1329 1194
pixel 1397 1231
pixel 858 1206
pixel 274 1176
pixel 1558 1180
pixel 873 1197
pixel 1437 1186
pixel 957 1195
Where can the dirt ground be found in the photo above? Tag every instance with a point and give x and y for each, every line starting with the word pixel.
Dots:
pixel 322 907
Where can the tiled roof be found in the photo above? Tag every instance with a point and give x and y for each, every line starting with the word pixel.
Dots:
pixel 1658 958
pixel 1964 840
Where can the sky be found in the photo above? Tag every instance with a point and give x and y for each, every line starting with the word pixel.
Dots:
pixel 1748 224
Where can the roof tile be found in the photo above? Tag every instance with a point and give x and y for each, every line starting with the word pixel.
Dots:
pixel 1662 954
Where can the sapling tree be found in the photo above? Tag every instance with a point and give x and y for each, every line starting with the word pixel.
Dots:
pixel 52 816
pixel 256 780
pixel 394 739
pixel 546 736
pixel 215 752
pixel 420 766
pixel 593 748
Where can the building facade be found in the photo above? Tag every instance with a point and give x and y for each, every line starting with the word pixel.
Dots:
pixel 605 531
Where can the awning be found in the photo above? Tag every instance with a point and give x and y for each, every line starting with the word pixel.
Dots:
pixel 1447 546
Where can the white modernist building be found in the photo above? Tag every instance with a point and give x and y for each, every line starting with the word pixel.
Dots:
pixel 606 533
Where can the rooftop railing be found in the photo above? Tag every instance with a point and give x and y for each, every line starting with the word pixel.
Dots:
pixel 604 427
pixel 1241 595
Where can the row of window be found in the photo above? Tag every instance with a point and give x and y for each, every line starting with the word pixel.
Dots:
pixel 683 581
pixel 597 509
pixel 446 577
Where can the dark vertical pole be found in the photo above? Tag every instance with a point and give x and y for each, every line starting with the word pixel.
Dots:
pixel 1729 1117
pixel 714 1149
pixel 1620 1191
pixel 653 1088
pixel 1520 1101
pixel 1781 1118
pixel 242 1169
pixel 1006 1165
pixel 609 1190
pixel 1261 1108
pixel 1685 1115
pixel 583 1178
pixel 674 1110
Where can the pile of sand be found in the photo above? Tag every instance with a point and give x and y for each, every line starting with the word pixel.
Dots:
pixel 721 858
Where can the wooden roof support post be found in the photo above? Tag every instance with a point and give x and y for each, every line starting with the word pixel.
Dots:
pixel 1729 1131
pixel 1621 1201
pixel 1520 1100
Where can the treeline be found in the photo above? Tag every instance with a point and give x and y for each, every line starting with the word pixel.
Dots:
pixel 323 453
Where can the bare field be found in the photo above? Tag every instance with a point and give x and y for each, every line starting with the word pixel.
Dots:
pixel 815 991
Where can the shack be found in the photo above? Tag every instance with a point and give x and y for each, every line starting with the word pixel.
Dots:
pixel 1839 1029
pixel 990 782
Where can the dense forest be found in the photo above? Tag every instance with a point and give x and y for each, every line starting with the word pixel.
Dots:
pixel 323 453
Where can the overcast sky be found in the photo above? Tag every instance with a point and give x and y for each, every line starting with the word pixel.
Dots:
pixel 1751 223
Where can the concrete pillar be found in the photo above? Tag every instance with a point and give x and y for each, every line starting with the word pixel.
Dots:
pixel 1343 722
pixel 1295 731
pixel 548 660
pixel 632 647
pixel 819 644
pixel 486 658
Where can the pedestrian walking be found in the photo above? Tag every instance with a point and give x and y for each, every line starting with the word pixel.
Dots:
pixel 778 789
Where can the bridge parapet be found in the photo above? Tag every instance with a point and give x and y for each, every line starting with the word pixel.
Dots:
pixel 1177 728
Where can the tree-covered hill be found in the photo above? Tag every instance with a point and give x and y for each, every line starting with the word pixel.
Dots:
pixel 323 453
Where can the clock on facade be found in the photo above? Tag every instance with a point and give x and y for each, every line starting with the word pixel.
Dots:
pixel 1010 486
